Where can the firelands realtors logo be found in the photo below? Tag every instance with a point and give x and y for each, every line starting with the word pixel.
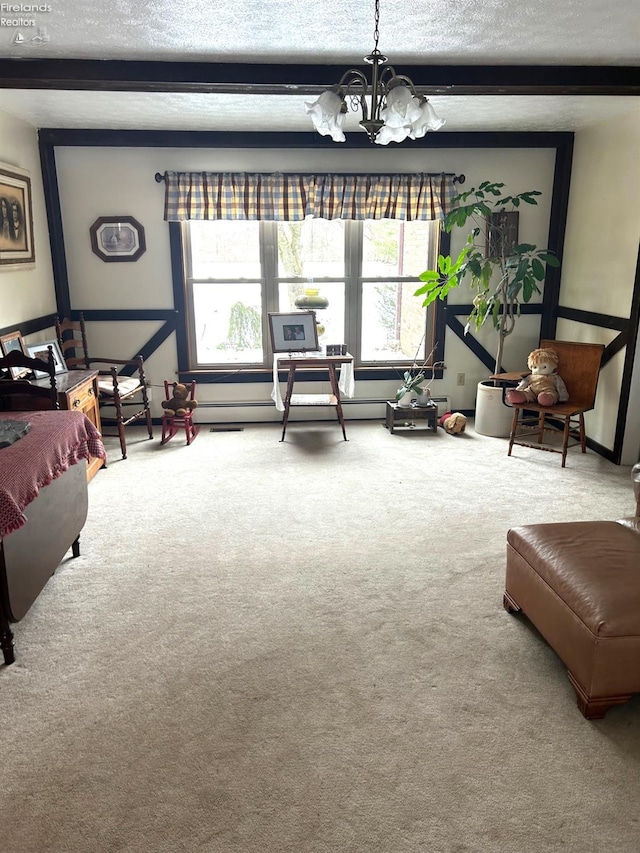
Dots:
pixel 22 18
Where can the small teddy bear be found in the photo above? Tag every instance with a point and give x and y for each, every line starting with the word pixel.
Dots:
pixel 179 404
pixel 543 386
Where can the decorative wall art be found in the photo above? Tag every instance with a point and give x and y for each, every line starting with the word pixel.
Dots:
pixel 16 218
pixel 117 238
pixel 41 350
pixel 13 341
pixel 293 332
pixel 502 233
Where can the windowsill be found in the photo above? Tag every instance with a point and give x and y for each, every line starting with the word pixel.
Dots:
pixel 229 376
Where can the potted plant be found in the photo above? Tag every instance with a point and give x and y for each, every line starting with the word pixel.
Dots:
pixel 412 387
pixel 413 383
pixel 503 273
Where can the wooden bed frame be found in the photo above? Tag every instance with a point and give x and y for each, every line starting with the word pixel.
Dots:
pixel 30 555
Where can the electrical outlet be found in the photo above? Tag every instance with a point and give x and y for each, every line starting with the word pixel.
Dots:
pixel 460 379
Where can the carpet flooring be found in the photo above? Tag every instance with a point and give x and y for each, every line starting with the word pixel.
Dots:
pixel 300 647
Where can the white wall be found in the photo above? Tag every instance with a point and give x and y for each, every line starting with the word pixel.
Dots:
pixel 26 293
pixel 117 181
pixel 601 252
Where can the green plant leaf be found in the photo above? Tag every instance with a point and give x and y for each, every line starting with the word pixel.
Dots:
pixel 528 289
pixel 537 267
pixel 528 197
pixel 429 276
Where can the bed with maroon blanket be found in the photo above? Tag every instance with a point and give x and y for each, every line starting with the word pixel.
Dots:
pixel 43 506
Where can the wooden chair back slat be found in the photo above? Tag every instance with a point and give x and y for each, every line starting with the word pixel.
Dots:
pixel 579 367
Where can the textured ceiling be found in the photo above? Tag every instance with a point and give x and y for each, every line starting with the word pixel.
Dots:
pixel 132 110
pixel 569 32
pixel 444 32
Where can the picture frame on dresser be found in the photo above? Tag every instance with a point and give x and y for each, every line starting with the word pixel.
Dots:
pixel 17 249
pixel 8 343
pixel 41 350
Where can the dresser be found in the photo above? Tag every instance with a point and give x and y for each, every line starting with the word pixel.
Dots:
pixel 78 391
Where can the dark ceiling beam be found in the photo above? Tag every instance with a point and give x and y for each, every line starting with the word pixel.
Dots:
pixel 106 138
pixel 268 78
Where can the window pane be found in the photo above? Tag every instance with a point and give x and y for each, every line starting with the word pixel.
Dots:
pixel 228 323
pixel 393 322
pixel 225 249
pixel 332 317
pixel 394 248
pixel 381 321
pixel 313 248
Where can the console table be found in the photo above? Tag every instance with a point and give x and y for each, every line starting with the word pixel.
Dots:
pixel 303 361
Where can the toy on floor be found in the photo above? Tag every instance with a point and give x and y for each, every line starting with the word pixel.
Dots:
pixel 544 386
pixel 180 403
pixel 453 423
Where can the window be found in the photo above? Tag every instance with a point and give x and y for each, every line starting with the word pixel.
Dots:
pixel 238 271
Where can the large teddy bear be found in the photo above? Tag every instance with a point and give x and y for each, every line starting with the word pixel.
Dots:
pixel 543 386
pixel 179 404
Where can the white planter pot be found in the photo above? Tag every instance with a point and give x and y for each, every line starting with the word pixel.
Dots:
pixel 493 417
pixel 405 401
pixel 424 400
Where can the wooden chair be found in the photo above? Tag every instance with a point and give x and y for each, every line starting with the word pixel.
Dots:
pixel 172 423
pixel 579 367
pixel 18 394
pixel 115 389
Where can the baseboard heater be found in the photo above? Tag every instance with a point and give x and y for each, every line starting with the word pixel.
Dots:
pixel 443 403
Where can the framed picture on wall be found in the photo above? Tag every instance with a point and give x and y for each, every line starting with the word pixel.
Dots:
pixel 293 332
pixel 117 238
pixel 13 341
pixel 16 218
pixel 41 350
pixel 502 233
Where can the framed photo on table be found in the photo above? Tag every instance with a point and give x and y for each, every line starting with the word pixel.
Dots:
pixel 293 332
pixel 117 238
pixel 13 341
pixel 41 350
pixel 16 218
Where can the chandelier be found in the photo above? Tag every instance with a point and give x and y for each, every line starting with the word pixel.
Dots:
pixel 396 112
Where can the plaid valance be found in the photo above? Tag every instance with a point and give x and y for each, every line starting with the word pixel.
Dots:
pixel 290 197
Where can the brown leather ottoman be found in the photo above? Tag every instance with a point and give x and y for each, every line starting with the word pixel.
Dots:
pixel 579 584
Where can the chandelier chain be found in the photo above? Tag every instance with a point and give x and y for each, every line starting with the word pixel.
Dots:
pixel 376 31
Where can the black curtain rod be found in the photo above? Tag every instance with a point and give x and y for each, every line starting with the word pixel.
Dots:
pixel 457 179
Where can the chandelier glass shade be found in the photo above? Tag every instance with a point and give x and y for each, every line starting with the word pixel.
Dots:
pixel 395 111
